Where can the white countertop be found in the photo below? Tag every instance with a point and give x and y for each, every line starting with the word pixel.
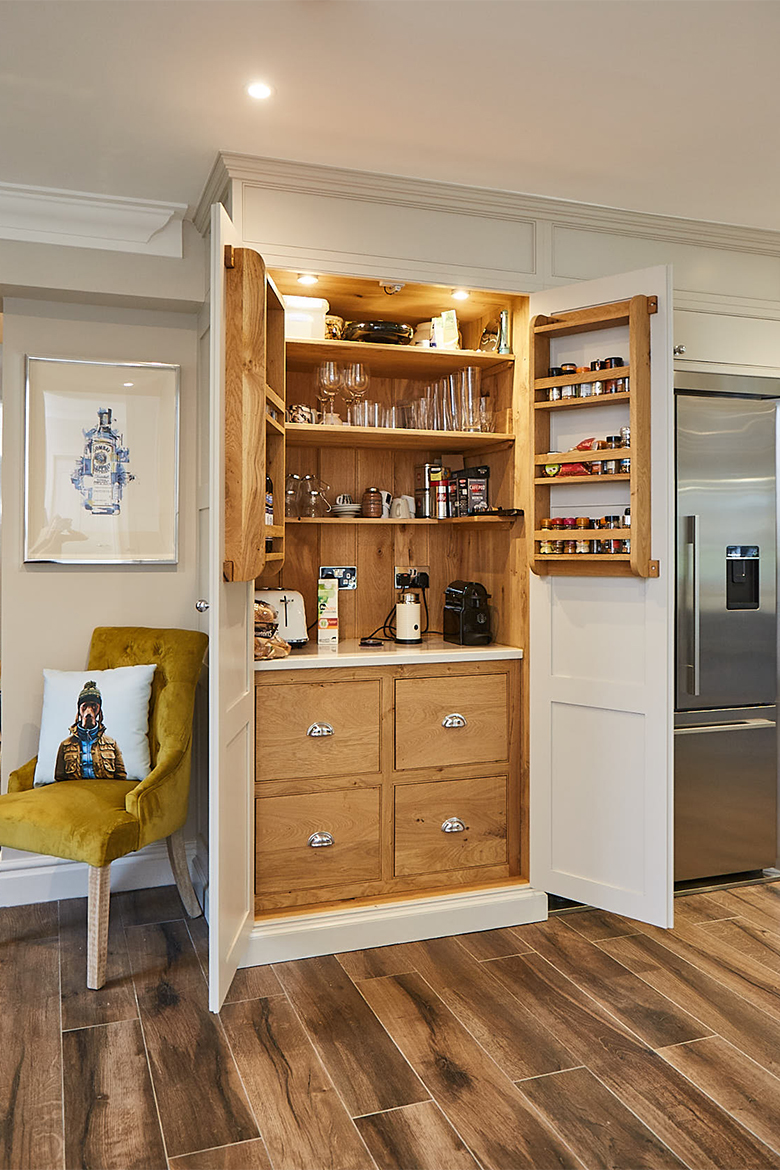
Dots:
pixel 350 653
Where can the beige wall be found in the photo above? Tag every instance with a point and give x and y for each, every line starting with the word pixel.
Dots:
pixel 49 611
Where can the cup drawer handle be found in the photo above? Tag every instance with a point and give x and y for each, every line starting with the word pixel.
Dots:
pixel 454 720
pixel 319 729
pixel 453 825
pixel 320 840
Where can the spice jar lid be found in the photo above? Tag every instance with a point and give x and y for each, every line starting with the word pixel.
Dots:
pixel 568 522
pixel 554 372
pixel 556 522
pixel 545 523
pixel 568 368
pixel 613 520
pixel 613 362
pixel 582 522
pixel 595 365
pixel 614 439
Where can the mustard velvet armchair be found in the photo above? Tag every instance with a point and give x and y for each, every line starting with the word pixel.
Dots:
pixel 97 821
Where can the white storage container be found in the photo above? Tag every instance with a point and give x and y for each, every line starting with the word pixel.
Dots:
pixel 304 318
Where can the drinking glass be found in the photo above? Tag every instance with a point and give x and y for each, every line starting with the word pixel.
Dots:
pixel 329 382
pixel 468 379
pixel 487 418
pixel 292 495
pixel 356 378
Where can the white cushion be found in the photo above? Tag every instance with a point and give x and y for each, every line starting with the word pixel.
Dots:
pixel 124 693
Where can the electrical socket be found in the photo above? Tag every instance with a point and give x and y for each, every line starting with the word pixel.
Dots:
pixel 404 574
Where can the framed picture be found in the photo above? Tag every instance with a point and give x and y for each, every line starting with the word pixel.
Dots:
pixel 101 462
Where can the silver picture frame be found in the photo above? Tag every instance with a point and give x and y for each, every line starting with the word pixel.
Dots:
pixel 101 467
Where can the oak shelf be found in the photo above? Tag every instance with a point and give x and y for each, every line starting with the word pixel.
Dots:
pixel 583 456
pixel 391 361
pixel 272 424
pixel 275 399
pixel 396 438
pixel 551 480
pixel 588 376
pixel 505 521
pixel 582 534
pixel 572 403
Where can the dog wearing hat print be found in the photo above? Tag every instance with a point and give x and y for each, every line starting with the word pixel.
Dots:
pixel 88 753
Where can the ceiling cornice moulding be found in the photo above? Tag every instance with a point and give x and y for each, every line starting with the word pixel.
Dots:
pixel 79 219
pixel 336 182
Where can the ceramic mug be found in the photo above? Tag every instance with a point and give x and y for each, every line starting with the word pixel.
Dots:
pixel 399 509
pixel 412 505
pixel 344 499
pixel 300 413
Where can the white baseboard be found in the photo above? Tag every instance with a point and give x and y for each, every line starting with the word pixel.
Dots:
pixel 26 878
pixel 328 932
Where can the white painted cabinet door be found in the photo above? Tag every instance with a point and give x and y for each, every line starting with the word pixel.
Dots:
pixel 231 681
pixel 601 654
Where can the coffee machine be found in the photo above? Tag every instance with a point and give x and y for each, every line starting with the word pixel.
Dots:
pixel 467 614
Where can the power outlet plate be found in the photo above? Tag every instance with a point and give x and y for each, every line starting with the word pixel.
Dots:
pixel 405 570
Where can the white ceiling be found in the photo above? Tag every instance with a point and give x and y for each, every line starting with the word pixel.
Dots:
pixel 671 106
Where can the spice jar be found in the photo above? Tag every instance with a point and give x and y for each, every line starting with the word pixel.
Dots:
pixel 556 524
pixel 597 467
pixel 582 523
pixel 597 386
pixel 586 387
pixel 569 543
pixel 611 384
pixel 626 524
pixel 545 545
pixel 554 392
pixel 573 390
pixel 611 546
pixel 371 503
pixel 610 466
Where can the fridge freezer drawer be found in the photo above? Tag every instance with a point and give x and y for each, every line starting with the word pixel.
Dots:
pixel 725 804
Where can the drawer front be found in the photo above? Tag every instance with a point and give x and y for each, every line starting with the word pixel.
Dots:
pixel 286 858
pixel 287 717
pixel 457 720
pixel 474 809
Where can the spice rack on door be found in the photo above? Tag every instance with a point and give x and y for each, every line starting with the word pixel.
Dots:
pixel 635 314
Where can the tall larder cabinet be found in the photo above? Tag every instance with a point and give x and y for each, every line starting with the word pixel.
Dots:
pixel 573 790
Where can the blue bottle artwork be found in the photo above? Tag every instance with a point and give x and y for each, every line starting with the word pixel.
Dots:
pixel 101 475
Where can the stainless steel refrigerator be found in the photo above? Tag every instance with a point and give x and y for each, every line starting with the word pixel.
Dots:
pixel 726 685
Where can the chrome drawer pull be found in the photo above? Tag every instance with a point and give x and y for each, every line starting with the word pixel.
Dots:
pixel 453 825
pixel 454 720
pixel 318 729
pixel 320 840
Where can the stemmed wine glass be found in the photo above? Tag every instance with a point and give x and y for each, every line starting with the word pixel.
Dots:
pixel 329 382
pixel 356 380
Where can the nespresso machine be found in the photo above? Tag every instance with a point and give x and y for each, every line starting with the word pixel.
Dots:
pixel 467 614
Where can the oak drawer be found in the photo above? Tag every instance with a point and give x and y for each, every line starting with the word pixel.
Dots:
pixel 422 810
pixel 289 715
pixel 284 826
pixel 460 719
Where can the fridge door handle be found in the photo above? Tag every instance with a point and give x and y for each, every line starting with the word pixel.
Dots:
pixel 693 596
pixel 737 725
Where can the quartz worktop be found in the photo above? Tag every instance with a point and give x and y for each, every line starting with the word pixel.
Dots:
pixel 350 653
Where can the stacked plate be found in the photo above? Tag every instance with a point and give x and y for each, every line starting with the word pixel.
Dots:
pixel 346 511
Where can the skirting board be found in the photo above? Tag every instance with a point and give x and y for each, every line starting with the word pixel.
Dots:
pixel 28 878
pixel 329 932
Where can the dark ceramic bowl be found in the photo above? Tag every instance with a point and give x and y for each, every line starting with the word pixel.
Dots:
pixel 387 332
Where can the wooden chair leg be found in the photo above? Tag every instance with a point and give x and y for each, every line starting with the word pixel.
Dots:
pixel 98 906
pixel 177 855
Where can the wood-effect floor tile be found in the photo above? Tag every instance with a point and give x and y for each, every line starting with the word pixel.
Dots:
pixel 753 904
pixel 249 1155
pixel 84 1007
pixel 597 924
pixel 144 907
pixel 200 1096
pixel 248 982
pixel 364 1064
pixel 757 943
pixel 691 909
pixel 511 1035
pixel 302 1119
pixel 31 1134
pixel 480 1102
pixel 110 1115
pixel 693 1127
pixel 737 1083
pixel 721 1009
pixel 597 1126
pixel 376 962
pixel 493 944
pixel 651 1016
pixel 416 1136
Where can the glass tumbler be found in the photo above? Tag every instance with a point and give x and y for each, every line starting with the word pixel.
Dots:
pixel 469 396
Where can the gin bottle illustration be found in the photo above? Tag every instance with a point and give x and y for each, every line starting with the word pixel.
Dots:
pixel 101 475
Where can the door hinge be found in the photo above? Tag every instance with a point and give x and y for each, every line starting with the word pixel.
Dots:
pixel 652 304
pixel 227 570
pixel 230 259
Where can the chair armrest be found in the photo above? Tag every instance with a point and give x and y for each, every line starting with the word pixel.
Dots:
pixel 165 769
pixel 22 779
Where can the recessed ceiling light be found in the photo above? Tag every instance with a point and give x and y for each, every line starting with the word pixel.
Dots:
pixel 460 294
pixel 307 278
pixel 127 383
pixel 259 90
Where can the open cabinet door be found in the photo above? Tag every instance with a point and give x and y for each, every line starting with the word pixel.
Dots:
pixel 601 653
pixel 231 677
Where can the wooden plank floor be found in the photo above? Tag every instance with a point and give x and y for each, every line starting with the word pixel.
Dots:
pixel 588 1041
